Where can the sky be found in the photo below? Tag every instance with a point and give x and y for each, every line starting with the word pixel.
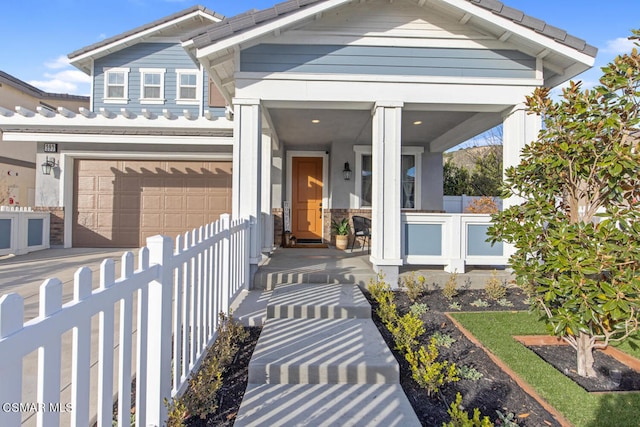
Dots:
pixel 38 35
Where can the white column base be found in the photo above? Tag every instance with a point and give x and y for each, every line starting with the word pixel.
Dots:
pixel 390 269
pixel 455 266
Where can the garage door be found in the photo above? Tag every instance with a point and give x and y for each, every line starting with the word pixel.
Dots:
pixel 119 203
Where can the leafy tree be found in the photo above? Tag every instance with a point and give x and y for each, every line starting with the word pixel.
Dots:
pixel 455 180
pixel 577 231
pixel 487 174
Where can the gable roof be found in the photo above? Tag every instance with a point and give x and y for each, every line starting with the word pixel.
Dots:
pixel 25 87
pixel 253 18
pixel 119 40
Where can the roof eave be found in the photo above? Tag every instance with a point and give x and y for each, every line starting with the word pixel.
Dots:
pixel 82 58
pixel 266 27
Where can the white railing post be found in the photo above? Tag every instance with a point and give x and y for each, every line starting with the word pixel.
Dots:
pixel 159 335
pixel 247 233
pixel 11 318
pixel 225 265
pixel 454 235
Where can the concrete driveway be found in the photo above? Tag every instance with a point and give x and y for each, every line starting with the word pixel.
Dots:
pixel 23 275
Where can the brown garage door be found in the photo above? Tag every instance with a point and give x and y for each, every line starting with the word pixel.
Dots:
pixel 119 203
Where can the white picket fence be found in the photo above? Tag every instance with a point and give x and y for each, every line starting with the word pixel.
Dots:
pixel 165 313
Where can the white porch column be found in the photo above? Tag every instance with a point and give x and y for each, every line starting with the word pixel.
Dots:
pixel 386 150
pixel 247 172
pixel 267 232
pixel 519 129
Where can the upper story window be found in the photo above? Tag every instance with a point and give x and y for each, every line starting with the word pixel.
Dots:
pixel 410 170
pixel 116 85
pixel 188 90
pixel 152 85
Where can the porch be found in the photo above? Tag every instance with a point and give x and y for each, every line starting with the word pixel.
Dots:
pixel 333 266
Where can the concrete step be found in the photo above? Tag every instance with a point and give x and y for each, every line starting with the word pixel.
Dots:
pixel 320 266
pixel 324 405
pixel 321 351
pixel 318 301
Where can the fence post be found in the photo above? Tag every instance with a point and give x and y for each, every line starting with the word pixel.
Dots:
pixel 225 252
pixel 11 318
pixel 159 333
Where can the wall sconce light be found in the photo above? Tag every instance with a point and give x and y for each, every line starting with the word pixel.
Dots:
pixel 48 164
pixel 346 173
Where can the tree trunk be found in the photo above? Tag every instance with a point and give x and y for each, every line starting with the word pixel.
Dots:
pixel 585 356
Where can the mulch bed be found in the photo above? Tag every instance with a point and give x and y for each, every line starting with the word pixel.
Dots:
pixel 234 385
pixel 612 374
pixel 495 391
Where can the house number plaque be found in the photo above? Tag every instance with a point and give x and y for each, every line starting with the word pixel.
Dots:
pixel 50 147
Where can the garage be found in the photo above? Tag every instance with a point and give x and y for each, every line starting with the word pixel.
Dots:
pixel 119 203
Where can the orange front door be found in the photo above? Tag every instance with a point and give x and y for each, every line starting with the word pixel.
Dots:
pixel 306 190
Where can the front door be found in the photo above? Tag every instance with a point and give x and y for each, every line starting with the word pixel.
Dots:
pixel 306 204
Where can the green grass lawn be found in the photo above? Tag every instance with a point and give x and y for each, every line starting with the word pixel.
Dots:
pixel 583 409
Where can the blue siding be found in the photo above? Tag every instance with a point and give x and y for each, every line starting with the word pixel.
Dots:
pixel 170 56
pixel 5 233
pixel 477 244
pixel 35 227
pixel 378 60
pixel 423 239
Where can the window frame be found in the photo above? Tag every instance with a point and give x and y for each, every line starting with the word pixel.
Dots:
pixel 116 100
pixel 365 150
pixel 144 71
pixel 198 87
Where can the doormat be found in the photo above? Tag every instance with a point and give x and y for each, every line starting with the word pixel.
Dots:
pixel 305 245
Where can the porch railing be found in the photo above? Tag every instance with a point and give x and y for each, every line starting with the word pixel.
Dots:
pixel 165 313
pixel 452 240
pixel 23 230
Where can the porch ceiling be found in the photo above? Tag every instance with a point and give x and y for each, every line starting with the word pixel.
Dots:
pixel 295 127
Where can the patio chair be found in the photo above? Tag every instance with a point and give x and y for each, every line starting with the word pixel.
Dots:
pixel 361 229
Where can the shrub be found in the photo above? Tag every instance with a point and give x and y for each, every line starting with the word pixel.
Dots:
pixel 483 205
pixel 450 289
pixel 460 417
pixel 503 302
pixel 177 412
pixel 508 419
pixel 418 309
pixel 406 331
pixel 494 288
pixel 429 373
pixel 468 373
pixel 480 303
pixel 201 396
pixel 203 387
pixel 443 340
pixel 414 287
pixel 455 306
pixel 381 293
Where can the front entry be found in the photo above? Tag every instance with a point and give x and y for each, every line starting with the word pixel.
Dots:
pixel 306 194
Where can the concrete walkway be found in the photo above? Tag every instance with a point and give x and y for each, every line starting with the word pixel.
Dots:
pixel 320 361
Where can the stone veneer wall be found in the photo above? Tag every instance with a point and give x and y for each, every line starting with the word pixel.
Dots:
pixel 278 226
pixel 56 227
pixel 338 215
